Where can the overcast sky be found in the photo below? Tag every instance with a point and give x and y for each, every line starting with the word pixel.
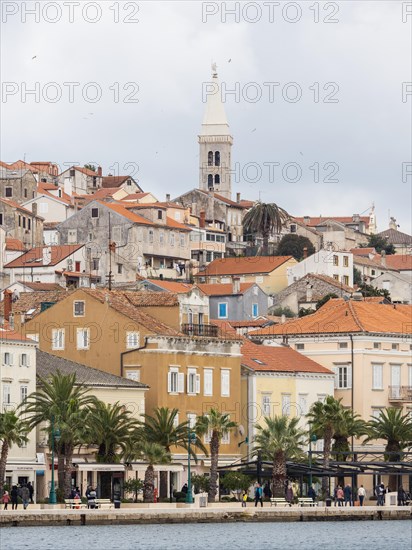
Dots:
pixel 362 133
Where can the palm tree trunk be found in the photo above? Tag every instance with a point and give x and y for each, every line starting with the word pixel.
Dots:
pixel 279 475
pixel 326 458
pixel 67 483
pixel 148 488
pixel 214 461
pixel 265 243
pixel 3 463
pixel 60 470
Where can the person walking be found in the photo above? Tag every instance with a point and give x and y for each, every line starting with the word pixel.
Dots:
pixel 312 493
pixel 258 495
pixel 14 497
pixel 244 499
pixel 289 494
pixel 348 495
pixel 31 491
pixel 401 496
pixel 5 499
pixel 380 493
pixel 361 495
pixel 25 496
pixel 340 495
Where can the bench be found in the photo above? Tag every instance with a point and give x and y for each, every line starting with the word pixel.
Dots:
pixel 103 503
pixel 306 501
pixel 74 504
pixel 274 501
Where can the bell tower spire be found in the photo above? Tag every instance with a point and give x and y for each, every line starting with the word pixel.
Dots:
pixel 215 142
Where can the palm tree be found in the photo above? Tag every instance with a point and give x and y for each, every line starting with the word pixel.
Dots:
pixel 396 429
pixel 323 418
pixel 348 425
pixel 65 403
pixel 264 219
pixel 13 431
pixel 109 428
pixel 216 425
pixel 152 453
pixel 161 427
pixel 279 440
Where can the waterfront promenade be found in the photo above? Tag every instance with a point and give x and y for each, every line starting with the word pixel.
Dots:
pixel 211 514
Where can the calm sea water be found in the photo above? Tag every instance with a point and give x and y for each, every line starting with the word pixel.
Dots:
pixel 346 535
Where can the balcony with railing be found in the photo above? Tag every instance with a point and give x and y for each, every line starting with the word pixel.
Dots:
pixel 210 331
pixel 400 393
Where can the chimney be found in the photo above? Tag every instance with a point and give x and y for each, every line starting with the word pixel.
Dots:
pixel 237 197
pixel 167 197
pixel 236 285
pixel 68 186
pixel 99 171
pixel 356 218
pixel 309 292
pixel 305 252
pixel 34 208
pixel 8 300
pixel 392 224
pixel 202 221
pixel 383 258
pixel 283 319
pixel 46 255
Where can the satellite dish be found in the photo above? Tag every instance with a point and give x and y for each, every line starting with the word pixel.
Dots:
pixel 241 430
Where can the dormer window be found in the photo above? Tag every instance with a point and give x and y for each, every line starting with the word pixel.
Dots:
pixel 159 215
pixel 129 182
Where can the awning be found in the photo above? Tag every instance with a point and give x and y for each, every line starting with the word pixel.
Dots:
pixel 93 467
pixel 141 467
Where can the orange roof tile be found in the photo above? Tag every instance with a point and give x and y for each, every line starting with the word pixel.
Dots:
pixel 223 289
pixel 172 286
pixel 42 287
pixel 400 262
pixel 243 265
pixel 86 171
pixel 340 316
pixel 14 244
pixel 58 253
pixel 316 220
pixel 6 334
pixel 114 181
pixel 278 359
pixel 119 209
pixel 16 205
pixel 362 251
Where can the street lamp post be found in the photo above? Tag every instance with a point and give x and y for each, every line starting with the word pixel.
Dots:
pixel 191 436
pixel 55 436
pixel 314 439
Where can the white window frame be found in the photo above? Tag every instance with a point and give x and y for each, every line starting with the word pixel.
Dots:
pixel 377 376
pixel 24 360
pixel 133 375
pixel 8 359
pixel 225 438
pixel 208 382
pixel 226 308
pixel 72 236
pixel 78 302
pixel 303 403
pixel 24 392
pixel 266 404
pixel 84 334
pixel 192 381
pixel 179 377
pixel 191 418
pixel 58 339
pixel 6 394
pixel 132 339
pixel 286 403
pixel 225 383
pixel 343 376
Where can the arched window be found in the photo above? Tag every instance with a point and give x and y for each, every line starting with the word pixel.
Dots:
pixel 217 158
pixel 210 158
pixel 217 179
pixel 210 181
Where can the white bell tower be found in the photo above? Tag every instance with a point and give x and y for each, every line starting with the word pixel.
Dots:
pixel 215 143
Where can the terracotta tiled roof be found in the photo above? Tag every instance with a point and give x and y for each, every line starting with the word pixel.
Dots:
pixel 340 316
pixel 130 304
pixel 119 209
pixel 58 253
pixel 329 280
pixel 243 265
pixel 223 289
pixel 393 236
pixel 16 205
pixel 278 359
pixel 14 244
pixel 163 205
pixel 362 251
pixel 102 193
pixel 114 181
pixel 246 204
pixel 375 263
pixel 8 334
pixel 134 196
pixel 170 222
pixel 172 286
pixel 42 287
pixel 45 188
pixel 253 323
pixel 400 262
pixel 31 301
pixel 316 220
pixel 48 364
pixel 85 171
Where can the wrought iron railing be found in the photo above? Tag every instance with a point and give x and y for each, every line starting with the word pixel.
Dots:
pixel 400 393
pixel 191 329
